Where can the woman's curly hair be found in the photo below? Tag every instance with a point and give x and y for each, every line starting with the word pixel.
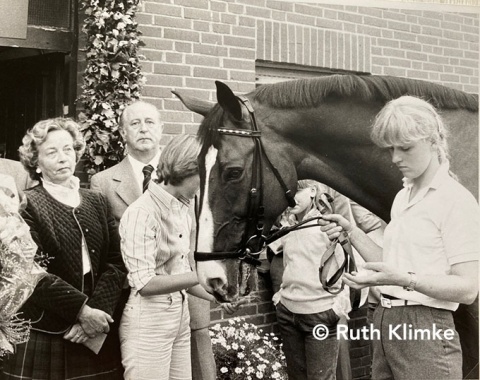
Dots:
pixel 37 135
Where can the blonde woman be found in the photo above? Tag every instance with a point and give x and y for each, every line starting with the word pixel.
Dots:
pixel 429 262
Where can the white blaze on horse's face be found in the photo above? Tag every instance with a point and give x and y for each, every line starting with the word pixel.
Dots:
pixel 207 270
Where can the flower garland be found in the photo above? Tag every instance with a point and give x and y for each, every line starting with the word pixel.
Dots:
pixel 243 352
pixel 112 77
pixel 19 273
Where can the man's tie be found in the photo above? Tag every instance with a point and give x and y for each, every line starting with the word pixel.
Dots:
pixel 147 176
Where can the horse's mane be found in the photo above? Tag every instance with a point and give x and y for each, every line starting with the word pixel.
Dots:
pixel 312 91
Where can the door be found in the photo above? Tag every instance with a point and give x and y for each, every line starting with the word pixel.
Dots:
pixel 31 89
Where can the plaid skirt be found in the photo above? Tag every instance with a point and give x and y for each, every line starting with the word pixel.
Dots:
pixel 50 357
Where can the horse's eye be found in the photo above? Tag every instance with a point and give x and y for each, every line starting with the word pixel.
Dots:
pixel 232 174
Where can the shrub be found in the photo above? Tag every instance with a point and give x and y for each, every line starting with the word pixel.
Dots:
pixel 243 352
pixel 112 77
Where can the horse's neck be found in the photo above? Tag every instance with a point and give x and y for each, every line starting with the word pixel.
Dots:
pixel 331 144
pixel 356 168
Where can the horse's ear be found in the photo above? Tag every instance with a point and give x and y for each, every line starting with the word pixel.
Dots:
pixel 197 105
pixel 228 101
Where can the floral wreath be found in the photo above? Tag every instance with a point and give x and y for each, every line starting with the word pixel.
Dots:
pixel 19 273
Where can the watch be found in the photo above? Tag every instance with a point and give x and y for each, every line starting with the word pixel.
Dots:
pixel 413 282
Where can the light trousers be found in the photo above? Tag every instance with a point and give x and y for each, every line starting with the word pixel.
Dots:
pixel 155 337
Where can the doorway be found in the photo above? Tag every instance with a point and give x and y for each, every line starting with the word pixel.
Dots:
pixel 31 89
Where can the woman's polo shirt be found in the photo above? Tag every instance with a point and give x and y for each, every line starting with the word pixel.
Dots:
pixel 427 235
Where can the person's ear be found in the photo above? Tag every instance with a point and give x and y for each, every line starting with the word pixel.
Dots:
pixel 122 132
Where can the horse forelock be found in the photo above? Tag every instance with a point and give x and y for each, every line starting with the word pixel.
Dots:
pixel 311 92
pixel 207 132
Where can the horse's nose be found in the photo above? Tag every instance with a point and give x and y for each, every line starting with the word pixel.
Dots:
pixel 219 287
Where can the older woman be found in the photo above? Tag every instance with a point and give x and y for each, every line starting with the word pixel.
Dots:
pixel 70 309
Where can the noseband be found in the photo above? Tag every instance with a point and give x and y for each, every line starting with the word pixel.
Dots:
pixel 252 245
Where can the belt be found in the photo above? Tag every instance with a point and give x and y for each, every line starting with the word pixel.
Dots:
pixel 388 301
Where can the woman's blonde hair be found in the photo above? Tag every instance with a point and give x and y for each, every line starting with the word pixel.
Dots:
pixel 407 119
pixel 178 160
pixel 37 135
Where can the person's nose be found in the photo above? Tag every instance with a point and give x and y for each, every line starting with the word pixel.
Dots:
pixel 143 127
pixel 62 157
pixel 396 158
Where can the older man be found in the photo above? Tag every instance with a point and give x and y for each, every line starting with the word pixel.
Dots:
pixel 141 129
pixel 122 184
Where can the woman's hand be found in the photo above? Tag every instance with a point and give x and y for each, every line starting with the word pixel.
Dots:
pixel 376 273
pixel 94 321
pixel 334 224
pixel 76 334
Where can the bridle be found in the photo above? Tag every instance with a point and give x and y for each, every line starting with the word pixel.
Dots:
pixel 254 243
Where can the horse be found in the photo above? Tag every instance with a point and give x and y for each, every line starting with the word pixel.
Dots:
pixel 256 146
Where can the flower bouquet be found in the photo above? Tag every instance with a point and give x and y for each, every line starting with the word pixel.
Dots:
pixel 19 274
pixel 242 351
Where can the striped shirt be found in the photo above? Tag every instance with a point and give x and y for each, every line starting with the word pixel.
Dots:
pixel 155 235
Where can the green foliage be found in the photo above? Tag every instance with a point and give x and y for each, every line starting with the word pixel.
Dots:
pixel 243 352
pixel 112 77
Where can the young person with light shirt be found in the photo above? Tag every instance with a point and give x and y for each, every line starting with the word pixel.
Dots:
pixel 302 303
pixel 429 262
pixel 156 232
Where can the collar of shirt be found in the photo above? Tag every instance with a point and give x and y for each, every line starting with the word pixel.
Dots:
pixel 68 195
pixel 440 176
pixel 437 180
pixel 138 166
pixel 311 214
pixel 167 199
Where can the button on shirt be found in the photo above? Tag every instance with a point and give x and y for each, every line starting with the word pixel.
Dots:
pixel 138 166
pixel 155 236
pixel 428 234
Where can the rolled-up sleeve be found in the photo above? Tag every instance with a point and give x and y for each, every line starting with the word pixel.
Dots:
pixel 459 230
pixel 138 231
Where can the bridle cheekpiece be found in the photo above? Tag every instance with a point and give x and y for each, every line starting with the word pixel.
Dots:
pixel 252 245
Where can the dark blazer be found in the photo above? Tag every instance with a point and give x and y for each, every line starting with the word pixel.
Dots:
pixel 118 185
pixel 57 229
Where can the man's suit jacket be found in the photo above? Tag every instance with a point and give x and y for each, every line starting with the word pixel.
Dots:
pixel 118 184
pixel 18 172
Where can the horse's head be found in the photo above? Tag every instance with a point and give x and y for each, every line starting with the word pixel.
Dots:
pixel 235 212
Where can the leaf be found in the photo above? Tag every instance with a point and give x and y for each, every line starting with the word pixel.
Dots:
pixel 98 160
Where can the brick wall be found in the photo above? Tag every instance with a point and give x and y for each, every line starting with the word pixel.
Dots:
pixel 192 43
